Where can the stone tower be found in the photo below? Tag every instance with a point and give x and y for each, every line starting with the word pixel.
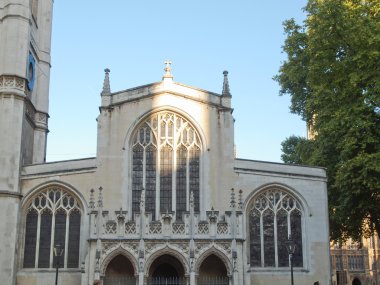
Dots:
pixel 25 40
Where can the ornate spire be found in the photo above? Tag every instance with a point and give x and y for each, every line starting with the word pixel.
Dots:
pixel 226 86
pixel 168 69
pixel 106 83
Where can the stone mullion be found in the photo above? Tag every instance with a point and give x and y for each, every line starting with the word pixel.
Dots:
pixel 174 168
pixel 288 214
pixel 38 239
pixel 52 239
pixel 158 167
pixel 262 239
pixel 66 251
pixel 275 239
pixel 188 179
pixel 144 168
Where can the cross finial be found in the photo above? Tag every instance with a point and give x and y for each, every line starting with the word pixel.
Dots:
pixel 168 69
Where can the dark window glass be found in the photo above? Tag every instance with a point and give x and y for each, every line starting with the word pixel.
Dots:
pixel 280 215
pixel 296 230
pixel 166 177
pixel 45 240
pixel 154 144
pixel 282 236
pixel 181 181
pixel 60 235
pixel 338 262
pixel 255 243
pixel 47 218
pixel 150 184
pixel 74 238
pixel 137 177
pixel 30 239
pixel 194 175
pixel 269 253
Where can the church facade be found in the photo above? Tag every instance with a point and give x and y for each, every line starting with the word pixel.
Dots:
pixel 165 200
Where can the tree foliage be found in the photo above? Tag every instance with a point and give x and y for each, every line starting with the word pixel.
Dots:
pixel 332 74
pixel 296 150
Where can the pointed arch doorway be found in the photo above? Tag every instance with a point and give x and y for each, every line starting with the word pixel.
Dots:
pixel 120 271
pixel 166 270
pixel 213 272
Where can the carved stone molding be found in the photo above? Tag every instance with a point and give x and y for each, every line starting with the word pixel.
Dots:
pixel 41 118
pixel 111 249
pixel 12 82
pixel 30 111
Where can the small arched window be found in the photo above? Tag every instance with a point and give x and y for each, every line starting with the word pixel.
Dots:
pixel 165 162
pixel 53 217
pixel 274 215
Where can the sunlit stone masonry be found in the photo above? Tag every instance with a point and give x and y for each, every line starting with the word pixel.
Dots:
pixel 165 200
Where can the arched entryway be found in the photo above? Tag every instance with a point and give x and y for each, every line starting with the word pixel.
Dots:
pixel 119 271
pixel 212 271
pixel 356 281
pixel 166 270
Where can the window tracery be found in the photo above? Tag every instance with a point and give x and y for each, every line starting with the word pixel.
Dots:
pixel 274 215
pixel 52 217
pixel 165 162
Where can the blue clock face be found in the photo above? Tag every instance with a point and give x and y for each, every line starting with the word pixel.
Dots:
pixel 31 72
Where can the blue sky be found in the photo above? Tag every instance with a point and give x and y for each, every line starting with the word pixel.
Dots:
pixel 201 38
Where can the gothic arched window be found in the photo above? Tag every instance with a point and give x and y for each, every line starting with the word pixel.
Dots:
pixel 165 162
pixel 52 217
pixel 274 215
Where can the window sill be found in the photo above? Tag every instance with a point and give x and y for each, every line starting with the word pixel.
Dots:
pixel 276 269
pixel 49 270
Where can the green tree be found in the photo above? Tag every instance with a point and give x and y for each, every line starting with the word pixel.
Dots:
pixel 332 74
pixel 296 150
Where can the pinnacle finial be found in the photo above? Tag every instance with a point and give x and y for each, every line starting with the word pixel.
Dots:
pixel 92 201
pixel 226 86
pixel 168 69
pixel 232 203
pixel 106 83
pixel 100 199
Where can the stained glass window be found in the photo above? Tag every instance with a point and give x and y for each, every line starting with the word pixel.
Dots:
pixel 30 241
pixel 53 213
pixel 181 183
pixel 137 176
pixel 166 177
pixel 194 175
pixel 150 183
pixel 74 238
pixel 45 240
pixel 274 215
pixel 60 233
pixel 165 162
pixel 255 242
